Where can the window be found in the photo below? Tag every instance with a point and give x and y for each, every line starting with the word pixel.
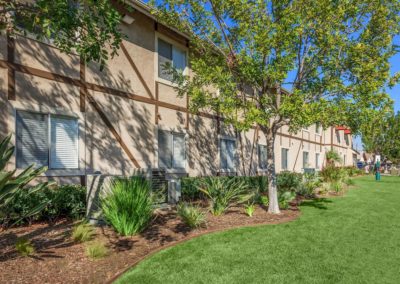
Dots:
pixel 47 140
pixel 262 156
pixel 305 160
pixel 171 150
pixel 344 159
pixel 285 162
pixel 346 138
pixel 227 154
pixel 337 136
pixel 318 128
pixel 169 55
pixel 317 165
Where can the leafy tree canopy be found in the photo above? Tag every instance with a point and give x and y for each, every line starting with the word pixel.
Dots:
pixel 88 27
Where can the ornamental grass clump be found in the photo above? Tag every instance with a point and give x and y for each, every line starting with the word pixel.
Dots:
pixel 249 209
pixel 128 206
pixel 224 193
pixel 83 232
pixel 96 250
pixel 191 215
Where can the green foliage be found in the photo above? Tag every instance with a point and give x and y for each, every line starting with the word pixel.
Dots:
pixel 263 200
pixel 249 209
pixel 83 232
pixel 66 201
pixel 336 186
pixel 284 198
pixel 11 185
pixel 349 181
pixel 353 171
pixel 310 183
pixel 87 27
pixel 96 250
pixel 24 247
pixel 224 193
pixel 242 47
pixel 128 207
pixel 288 181
pixel 332 173
pixel 191 185
pixel 191 215
pixel 333 157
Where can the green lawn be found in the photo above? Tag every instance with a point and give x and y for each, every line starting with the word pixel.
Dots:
pixel 350 239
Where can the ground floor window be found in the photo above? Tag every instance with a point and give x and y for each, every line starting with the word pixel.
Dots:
pixel 171 150
pixel 46 140
pixel 227 154
pixel 262 156
pixel 285 158
pixel 306 163
pixel 317 163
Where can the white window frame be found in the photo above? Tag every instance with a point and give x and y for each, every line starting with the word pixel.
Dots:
pixel 174 44
pixel 49 115
pixel 235 162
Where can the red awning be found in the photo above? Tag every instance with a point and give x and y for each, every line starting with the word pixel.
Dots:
pixel 347 131
pixel 341 128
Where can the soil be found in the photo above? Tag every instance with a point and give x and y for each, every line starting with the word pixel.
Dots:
pixel 57 259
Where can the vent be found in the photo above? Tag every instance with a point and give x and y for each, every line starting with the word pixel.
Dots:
pixel 159 185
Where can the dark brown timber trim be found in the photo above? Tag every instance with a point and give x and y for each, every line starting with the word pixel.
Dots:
pixel 113 131
pixel 107 90
pixel 134 67
pixel 82 88
pixel 11 71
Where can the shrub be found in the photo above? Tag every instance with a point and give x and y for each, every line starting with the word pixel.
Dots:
pixel 309 184
pixel 263 200
pixel 189 188
pixel 24 247
pixel 83 232
pixel 249 209
pixel 67 201
pixel 288 181
pixel 191 215
pixel 333 157
pixel 96 250
pixel 284 199
pixel 331 174
pixel 224 192
pixel 336 186
pixel 128 207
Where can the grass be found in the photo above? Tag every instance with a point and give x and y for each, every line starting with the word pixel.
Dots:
pixel 24 247
pixel 83 232
pixel 96 250
pixel 350 239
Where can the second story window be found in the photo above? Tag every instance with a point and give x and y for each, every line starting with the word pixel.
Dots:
pixel 171 150
pixel 227 154
pixel 169 54
pixel 337 136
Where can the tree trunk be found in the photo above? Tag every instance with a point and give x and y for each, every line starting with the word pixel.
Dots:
pixel 273 206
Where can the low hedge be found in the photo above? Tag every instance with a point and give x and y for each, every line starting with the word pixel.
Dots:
pixel 66 201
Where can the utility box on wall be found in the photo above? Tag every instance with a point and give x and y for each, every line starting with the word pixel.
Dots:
pixel 174 191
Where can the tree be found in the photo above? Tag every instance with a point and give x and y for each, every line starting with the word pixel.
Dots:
pixel 88 27
pixel 382 135
pixel 333 55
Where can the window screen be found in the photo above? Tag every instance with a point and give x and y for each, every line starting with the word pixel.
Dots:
pixel 171 150
pixel 305 160
pixel 32 139
pixel 262 156
pixel 227 154
pixel 64 143
pixel 164 57
pixel 317 166
pixel 285 158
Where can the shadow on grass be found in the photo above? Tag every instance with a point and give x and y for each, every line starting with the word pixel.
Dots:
pixel 319 203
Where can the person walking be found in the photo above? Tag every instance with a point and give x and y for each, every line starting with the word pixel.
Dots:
pixel 377 169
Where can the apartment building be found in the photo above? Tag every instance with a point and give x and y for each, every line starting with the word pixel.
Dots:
pixel 80 121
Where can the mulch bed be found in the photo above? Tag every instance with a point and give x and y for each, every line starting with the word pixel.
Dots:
pixel 59 260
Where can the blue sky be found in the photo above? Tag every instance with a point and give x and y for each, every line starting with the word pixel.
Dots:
pixel 395 92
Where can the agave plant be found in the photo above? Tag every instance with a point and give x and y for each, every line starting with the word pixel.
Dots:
pixel 224 193
pixel 10 184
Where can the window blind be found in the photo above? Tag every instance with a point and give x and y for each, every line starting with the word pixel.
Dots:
pixel 179 59
pixel 305 160
pixel 64 143
pixel 32 139
pixel 164 149
pixel 179 155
